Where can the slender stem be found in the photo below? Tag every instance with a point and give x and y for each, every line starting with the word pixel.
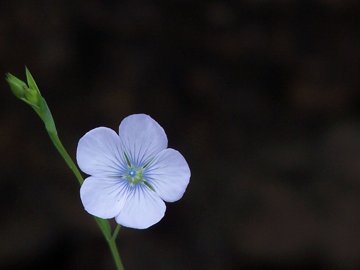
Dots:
pixel 102 223
pixel 59 146
pixel 115 253
pixel 116 232
pixel 30 94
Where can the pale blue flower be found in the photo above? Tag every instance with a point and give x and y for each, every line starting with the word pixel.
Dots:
pixel 132 173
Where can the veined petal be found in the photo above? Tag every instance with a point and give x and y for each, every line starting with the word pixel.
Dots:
pixel 141 137
pixel 103 197
pixel 99 152
pixel 143 208
pixel 168 174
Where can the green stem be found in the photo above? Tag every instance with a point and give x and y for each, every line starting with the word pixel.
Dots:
pixel 30 94
pixel 115 253
pixel 64 154
pixel 102 223
pixel 116 232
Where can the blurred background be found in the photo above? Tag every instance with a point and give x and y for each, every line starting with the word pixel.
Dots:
pixel 261 97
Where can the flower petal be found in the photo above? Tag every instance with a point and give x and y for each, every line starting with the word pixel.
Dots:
pixel 168 174
pixel 142 138
pixel 142 209
pixel 98 152
pixel 103 197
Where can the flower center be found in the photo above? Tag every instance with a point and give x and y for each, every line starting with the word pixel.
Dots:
pixel 134 175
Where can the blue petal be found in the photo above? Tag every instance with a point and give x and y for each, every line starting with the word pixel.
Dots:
pixel 99 153
pixel 103 197
pixel 142 138
pixel 168 174
pixel 143 208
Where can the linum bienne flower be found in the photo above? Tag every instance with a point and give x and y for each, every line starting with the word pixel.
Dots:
pixel 131 173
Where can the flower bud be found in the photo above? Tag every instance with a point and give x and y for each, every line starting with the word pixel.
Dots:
pixel 28 93
pixel 17 86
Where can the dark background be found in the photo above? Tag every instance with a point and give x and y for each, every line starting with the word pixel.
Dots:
pixel 261 97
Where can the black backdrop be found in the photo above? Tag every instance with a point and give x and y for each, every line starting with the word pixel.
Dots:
pixel 261 97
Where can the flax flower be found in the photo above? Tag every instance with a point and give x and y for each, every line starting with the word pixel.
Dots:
pixel 131 173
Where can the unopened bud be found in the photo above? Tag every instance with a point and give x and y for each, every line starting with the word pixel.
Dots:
pixel 17 86
pixel 26 92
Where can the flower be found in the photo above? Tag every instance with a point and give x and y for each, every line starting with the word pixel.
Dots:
pixel 132 173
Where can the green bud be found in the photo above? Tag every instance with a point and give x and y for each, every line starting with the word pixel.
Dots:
pixel 27 92
pixel 17 86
